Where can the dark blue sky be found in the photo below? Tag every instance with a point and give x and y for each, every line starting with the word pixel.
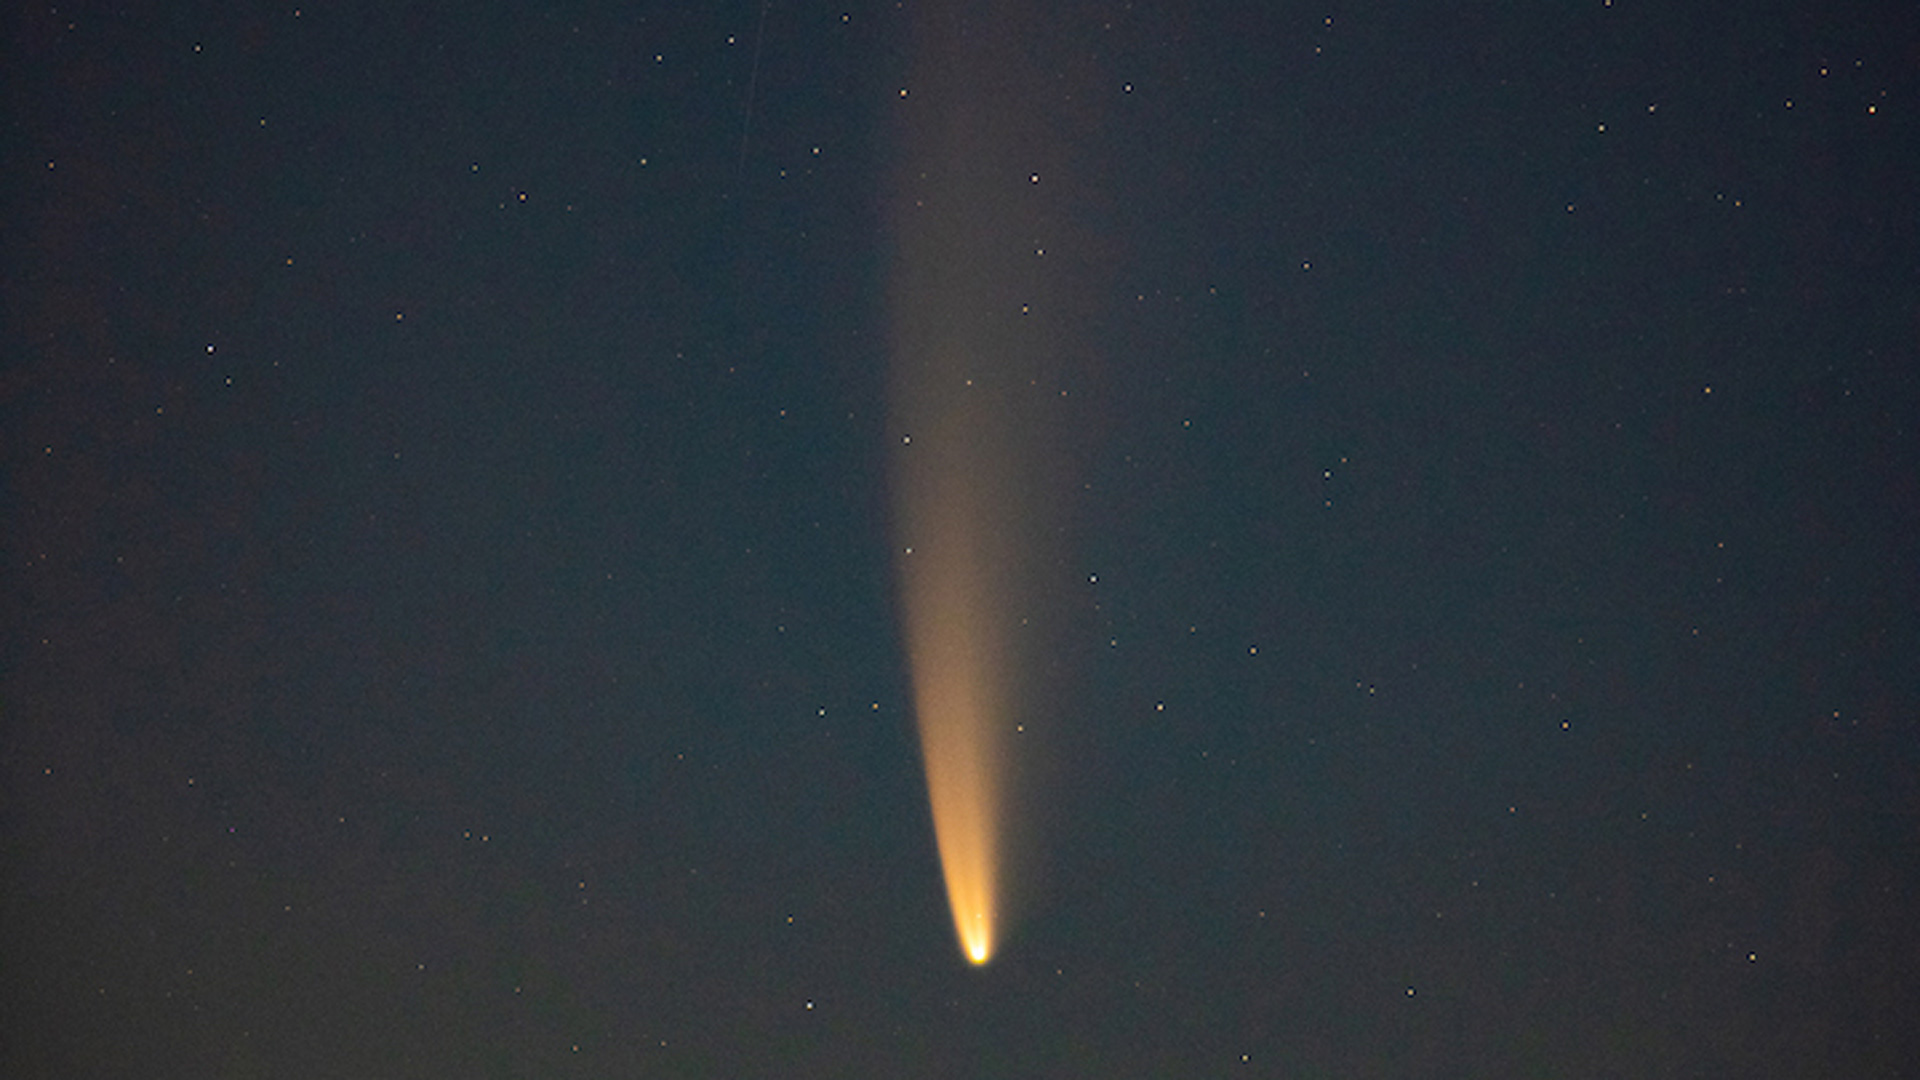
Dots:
pixel 450 627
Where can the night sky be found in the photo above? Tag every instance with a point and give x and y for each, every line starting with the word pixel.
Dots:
pixel 450 623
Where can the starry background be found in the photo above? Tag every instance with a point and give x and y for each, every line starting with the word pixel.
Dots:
pixel 449 624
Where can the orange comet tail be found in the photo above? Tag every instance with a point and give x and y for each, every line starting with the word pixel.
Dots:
pixel 991 194
pixel 960 702
pixel 961 790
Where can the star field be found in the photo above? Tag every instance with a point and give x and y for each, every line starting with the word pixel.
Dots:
pixel 452 623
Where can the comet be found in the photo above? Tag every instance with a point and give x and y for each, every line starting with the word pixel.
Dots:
pixel 959 668
pixel 985 257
